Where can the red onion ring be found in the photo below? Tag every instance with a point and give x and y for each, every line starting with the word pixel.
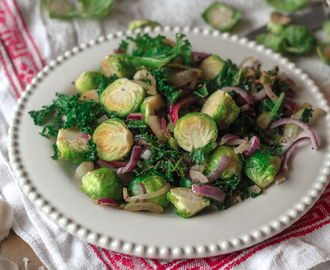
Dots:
pixel 290 151
pixel 175 109
pixel 85 136
pixel 197 177
pixel 136 116
pixel 304 126
pixel 198 57
pixel 103 164
pixel 117 164
pixel 228 137
pixel 209 191
pixel 254 142
pixel 240 91
pixel 260 95
pixel 106 201
pixel 163 125
pixel 155 126
pixel 222 164
pixel 135 156
pixel 290 105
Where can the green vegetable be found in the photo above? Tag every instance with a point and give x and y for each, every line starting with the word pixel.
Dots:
pixel 122 97
pixel 141 24
pixel 277 23
pixel 272 41
pixel 95 8
pixel 323 50
pixel 306 115
pixel 222 17
pixel 185 183
pixel 262 167
pixel 199 155
pixel 113 140
pixel 151 183
pixel 222 108
pixel 103 183
pixel 87 81
pixel 234 166
pixel 195 130
pixel 187 204
pixel 150 106
pixel 118 64
pixel 211 66
pixel 286 5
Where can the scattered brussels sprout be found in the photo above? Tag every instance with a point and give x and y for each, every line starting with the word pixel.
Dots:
pixel 118 64
pixel 90 95
pixel 113 140
pixel 195 130
pixel 271 41
pixel 141 24
pixel 151 183
pixel 234 166
pixel 222 108
pixel 150 105
pixel 211 66
pixel 286 5
pixel 261 168
pixel 222 17
pixel 185 182
pixel 95 8
pixel 87 81
pixel 277 23
pixel 323 50
pixel 71 146
pixel 103 183
pixel 187 204
pixel 122 97
pixel 298 40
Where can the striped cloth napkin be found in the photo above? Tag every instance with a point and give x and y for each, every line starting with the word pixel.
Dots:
pixel 29 39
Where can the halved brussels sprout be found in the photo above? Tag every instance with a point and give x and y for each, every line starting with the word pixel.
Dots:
pixel 87 81
pixel 71 146
pixel 118 64
pixel 211 66
pixel 151 183
pixel 234 166
pixel 150 105
pixel 195 130
pixel 262 168
pixel 122 97
pixel 141 23
pixel 222 108
pixel 113 140
pixel 90 95
pixel 185 183
pixel 103 183
pixel 187 204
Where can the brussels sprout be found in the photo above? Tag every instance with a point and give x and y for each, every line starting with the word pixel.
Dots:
pixel 71 146
pixel 222 108
pixel 277 23
pixel 151 183
pixel 195 130
pixel 221 17
pixel 211 66
pixel 103 183
pixel 150 105
pixel 90 95
pixel 122 97
pixel 286 5
pixel 95 8
pixel 187 204
pixel 87 81
pixel 298 40
pixel 118 64
pixel 141 23
pixel 113 140
pixel 271 41
pixel 261 168
pixel 185 182
pixel 323 50
pixel 234 166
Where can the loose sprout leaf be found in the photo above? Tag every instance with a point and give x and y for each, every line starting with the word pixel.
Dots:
pixel 306 115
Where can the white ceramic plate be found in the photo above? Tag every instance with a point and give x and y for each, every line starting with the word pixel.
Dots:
pixel 50 185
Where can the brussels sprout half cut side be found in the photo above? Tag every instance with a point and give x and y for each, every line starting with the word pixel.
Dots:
pixel 122 97
pixel 150 106
pixel 118 64
pixel 195 130
pixel 103 183
pixel 71 146
pixel 211 66
pixel 186 203
pixel 87 81
pixel 222 108
pixel 113 140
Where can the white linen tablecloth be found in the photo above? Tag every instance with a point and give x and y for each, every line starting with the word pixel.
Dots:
pixel 29 39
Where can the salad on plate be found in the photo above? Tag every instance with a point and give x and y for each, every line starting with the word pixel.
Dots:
pixel 160 125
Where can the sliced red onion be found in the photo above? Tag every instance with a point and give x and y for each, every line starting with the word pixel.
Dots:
pixel 235 142
pixel 290 105
pixel 177 106
pixel 304 126
pixel 209 191
pixel 117 164
pixel 260 95
pixel 144 206
pixel 198 167
pixel 103 164
pixel 197 177
pixel 245 107
pixel 222 164
pixel 228 137
pixel 254 143
pixel 240 91
pixel 102 119
pixel 141 190
pixel 183 77
pixel 146 196
pixel 155 126
pixel 135 156
pixel 146 154
pixel 290 150
pixel 106 201
pixel 163 125
pixel 198 57
pixel 269 92
pixel 136 116
pixel 85 136
pixel 241 148
pixel 257 81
